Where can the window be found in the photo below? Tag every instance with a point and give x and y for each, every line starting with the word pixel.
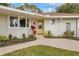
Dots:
pixel 27 22
pixel 68 26
pixel 22 22
pixel 13 21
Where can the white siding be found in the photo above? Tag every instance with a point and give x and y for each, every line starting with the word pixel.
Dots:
pixel 17 31
pixel 3 25
pixel 59 27
pixel 48 26
pixel 62 25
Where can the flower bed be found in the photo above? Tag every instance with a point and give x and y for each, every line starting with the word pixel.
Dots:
pixel 4 41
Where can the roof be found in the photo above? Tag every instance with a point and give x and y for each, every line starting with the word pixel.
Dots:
pixel 61 14
pixel 11 11
pixel 7 10
pixel 72 15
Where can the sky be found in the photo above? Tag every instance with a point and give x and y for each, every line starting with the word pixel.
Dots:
pixel 45 7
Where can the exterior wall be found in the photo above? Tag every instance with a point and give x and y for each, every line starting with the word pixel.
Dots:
pixel 17 31
pixel 59 27
pixel 48 26
pixel 3 25
pixel 5 29
pixel 62 25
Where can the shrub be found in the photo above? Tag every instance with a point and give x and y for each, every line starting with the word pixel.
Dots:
pixel 15 38
pixel 48 34
pixel 2 37
pixel 69 34
pixel 32 36
pixel 23 36
pixel 10 36
pixel 57 36
pixel 3 40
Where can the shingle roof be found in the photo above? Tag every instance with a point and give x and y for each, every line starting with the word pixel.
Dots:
pixel 61 14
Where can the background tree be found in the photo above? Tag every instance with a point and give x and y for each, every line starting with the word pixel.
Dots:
pixel 29 7
pixel 5 4
pixel 68 8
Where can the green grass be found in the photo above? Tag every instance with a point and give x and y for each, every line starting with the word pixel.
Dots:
pixel 41 50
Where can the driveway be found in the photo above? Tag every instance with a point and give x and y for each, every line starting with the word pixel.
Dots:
pixel 55 42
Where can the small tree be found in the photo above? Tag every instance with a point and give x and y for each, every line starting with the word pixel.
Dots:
pixel 10 37
pixel 24 36
pixel 5 4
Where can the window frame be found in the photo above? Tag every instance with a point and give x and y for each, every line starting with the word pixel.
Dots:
pixel 68 28
pixel 25 23
pixel 10 22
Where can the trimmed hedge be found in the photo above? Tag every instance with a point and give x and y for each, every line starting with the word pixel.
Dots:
pixel 2 37
pixel 68 34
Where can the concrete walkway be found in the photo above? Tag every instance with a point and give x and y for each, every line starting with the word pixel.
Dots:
pixel 55 42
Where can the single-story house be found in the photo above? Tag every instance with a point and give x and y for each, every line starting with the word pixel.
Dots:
pixel 17 22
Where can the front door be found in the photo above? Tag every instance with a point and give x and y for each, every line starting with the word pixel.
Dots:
pixel 40 27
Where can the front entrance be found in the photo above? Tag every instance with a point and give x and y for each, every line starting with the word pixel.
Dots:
pixel 40 27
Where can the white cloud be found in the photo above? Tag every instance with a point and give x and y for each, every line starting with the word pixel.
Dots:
pixel 54 4
pixel 48 10
pixel 52 7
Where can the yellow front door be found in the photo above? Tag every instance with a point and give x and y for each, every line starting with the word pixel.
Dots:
pixel 40 27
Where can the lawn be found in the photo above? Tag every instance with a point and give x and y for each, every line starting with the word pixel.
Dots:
pixel 41 50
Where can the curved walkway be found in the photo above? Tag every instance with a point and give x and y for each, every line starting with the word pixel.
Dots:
pixel 55 42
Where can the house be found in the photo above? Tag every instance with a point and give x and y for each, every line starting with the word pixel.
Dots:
pixel 17 22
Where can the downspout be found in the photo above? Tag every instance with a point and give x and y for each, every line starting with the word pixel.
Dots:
pixel 7 23
pixel 58 25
